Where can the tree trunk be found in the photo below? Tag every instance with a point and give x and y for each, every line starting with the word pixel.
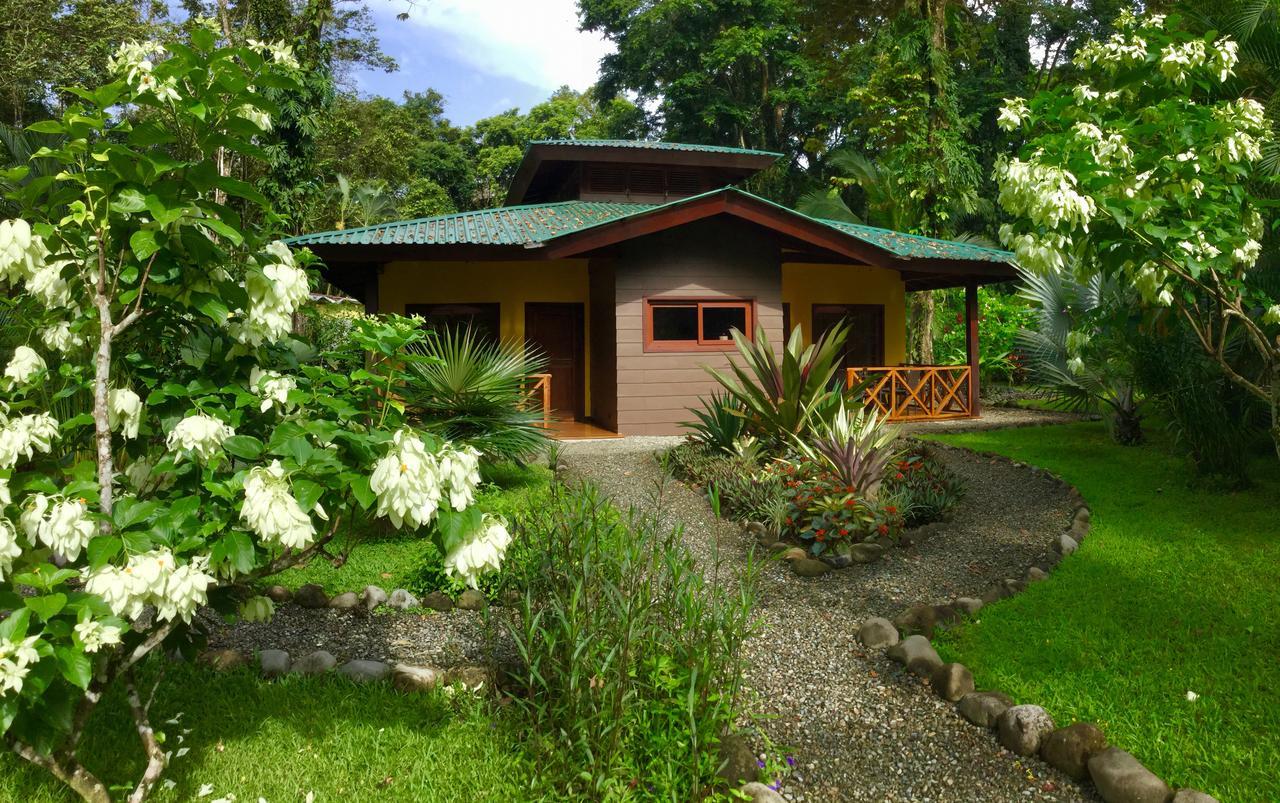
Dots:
pixel 922 307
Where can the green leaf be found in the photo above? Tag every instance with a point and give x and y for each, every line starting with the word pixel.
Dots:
pixel 244 446
pixel 75 666
pixel 235 549
pixel 362 492
pixel 213 307
pixel 129 200
pixel 102 549
pixel 48 127
pixel 143 243
pixel 128 512
pixel 48 606
pixel 307 493
pixel 14 627
pixel 223 229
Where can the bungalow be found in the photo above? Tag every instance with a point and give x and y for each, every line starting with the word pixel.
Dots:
pixel 628 263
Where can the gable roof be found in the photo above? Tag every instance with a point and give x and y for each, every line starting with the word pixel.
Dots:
pixel 569 227
pixel 656 145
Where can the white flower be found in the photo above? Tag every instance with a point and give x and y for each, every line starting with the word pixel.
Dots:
pixel 272 387
pixel 272 512
pixel 9 548
pixel 153 578
pixel 1177 60
pixel 257 609
pixel 16 658
pixel 23 436
pixel 482 552
pixel 1272 315
pixel 1084 93
pixel 5 497
pixel 49 287
pixel 407 482
pixel 95 635
pixel 59 337
pixel 200 434
pixel 275 290
pixel 1116 52
pixel 133 60
pixel 1044 193
pixel 124 410
pixel 1012 113
pixel 460 474
pixel 1154 21
pixel 1248 253
pixel 1223 58
pixel 24 366
pixel 255 115
pixel 1192 696
pixel 1200 249
pixel 22 251
pixel 61 524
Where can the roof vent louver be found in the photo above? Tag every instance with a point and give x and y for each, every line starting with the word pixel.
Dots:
pixel 684 182
pixel 607 178
pixel 646 181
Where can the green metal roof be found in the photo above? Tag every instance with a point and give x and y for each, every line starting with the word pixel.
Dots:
pixel 654 145
pixel 505 225
pixel 532 224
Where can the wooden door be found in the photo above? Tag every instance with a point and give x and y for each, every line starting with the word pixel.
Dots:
pixel 865 343
pixel 556 330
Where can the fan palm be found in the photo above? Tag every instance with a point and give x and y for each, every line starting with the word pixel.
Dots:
pixel 473 391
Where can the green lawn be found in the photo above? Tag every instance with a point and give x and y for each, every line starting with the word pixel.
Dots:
pixel 391 559
pixel 280 740
pixel 1175 590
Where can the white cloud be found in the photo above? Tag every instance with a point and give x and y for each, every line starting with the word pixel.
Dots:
pixel 534 41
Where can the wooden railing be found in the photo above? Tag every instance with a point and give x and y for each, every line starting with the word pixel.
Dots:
pixel 916 392
pixel 537 393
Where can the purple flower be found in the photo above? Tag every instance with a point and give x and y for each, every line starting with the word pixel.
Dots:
pixel 791 762
pixel 776 785
pixel 760 763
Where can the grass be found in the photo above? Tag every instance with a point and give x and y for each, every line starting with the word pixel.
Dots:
pixel 390 558
pixel 1174 591
pixel 280 740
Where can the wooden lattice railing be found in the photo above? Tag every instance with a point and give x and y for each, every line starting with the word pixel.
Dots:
pixel 537 394
pixel 916 392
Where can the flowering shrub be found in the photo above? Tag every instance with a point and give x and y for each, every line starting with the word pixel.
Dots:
pixel 1137 172
pixel 204 455
pixel 827 513
pixel 922 488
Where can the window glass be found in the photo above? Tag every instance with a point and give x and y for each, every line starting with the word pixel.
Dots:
pixel 717 321
pixel 675 323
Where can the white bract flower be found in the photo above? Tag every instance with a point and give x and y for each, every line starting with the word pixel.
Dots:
pixel 134 59
pixel 199 434
pixel 59 337
pixel 1272 315
pixel 1177 60
pixel 1117 51
pixel 275 290
pixel 22 251
pixel 460 474
pixel 407 482
pixel 1044 193
pixel 257 116
pixel 61 524
pixel 271 510
pixel 272 387
pixel 1223 58
pixel 1012 113
pixel 95 635
pixel 1084 93
pixel 24 436
pixel 47 285
pixel 124 410
pixel 1248 253
pixel 16 658
pixel 24 366
pixel 153 578
pixel 1192 696
pixel 482 552
pixel 9 548
pixel 1200 248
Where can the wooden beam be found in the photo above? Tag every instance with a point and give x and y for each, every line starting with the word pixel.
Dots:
pixel 971 346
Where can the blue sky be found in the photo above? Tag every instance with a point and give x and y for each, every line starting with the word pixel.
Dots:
pixel 484 56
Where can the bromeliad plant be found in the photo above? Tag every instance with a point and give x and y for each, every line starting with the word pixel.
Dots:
pixel 857 444
pixel 203 456
pixel 721 422
pixel 781 395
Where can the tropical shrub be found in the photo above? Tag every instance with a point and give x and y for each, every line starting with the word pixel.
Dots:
pixel 1081 348
pixel 1001 316
pixel 720 422
pixel 472 390
pixel 857 445
pixel 1139 168
pixel 921 487
pixel 195 473
pixel 828 514
pixel 744 490
pixel 630 654
pixel 781 396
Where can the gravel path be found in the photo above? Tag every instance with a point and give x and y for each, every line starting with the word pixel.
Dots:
pixel 860 727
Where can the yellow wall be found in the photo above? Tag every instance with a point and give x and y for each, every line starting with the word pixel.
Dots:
pixel 509 284
pixel 804 285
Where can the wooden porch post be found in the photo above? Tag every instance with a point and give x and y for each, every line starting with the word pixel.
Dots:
pixel 971 345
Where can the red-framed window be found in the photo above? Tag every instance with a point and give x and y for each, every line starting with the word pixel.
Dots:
pixel 695 324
